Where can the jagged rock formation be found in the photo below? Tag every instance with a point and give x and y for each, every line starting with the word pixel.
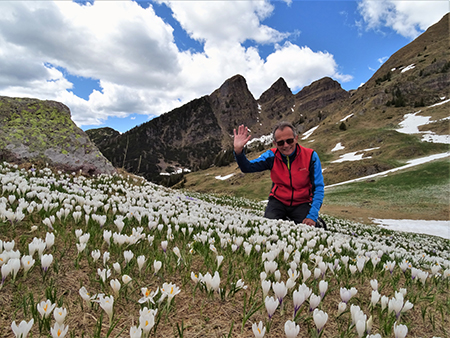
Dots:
pixel 32 130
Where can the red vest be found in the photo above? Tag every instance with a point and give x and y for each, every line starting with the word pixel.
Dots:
pixel 292 186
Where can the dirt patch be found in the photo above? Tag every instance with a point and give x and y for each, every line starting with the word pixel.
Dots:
pixel 364 215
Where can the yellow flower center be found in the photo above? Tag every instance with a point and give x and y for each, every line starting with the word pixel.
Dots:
pixel 147 293
pixel 45 307
pixel 59 332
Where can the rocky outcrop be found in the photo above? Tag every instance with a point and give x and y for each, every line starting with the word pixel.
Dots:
pixel 234 104
pixel 32 130
pixel 319 94
pixel 277 100
pixel 100 136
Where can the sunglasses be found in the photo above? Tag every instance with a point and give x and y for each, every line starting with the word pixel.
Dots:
pixel 288 141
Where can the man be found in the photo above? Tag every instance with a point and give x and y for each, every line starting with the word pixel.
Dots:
pixel 298 189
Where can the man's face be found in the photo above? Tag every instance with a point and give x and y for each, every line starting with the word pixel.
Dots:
pixel 284 135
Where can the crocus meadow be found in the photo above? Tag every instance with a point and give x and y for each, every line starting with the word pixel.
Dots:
pixel 117 256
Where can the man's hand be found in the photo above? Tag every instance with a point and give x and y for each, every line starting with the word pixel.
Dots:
pixel 309 221
pixel 240 139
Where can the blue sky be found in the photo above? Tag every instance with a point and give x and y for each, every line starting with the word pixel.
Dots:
pixel 120 63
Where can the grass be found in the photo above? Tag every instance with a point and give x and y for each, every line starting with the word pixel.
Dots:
pixel 423 190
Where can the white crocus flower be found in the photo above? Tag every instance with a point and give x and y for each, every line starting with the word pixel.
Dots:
pixel 341 307
pixel 375 297
pixel 314 301
pixel 95 255
pixel 135 332
pixel 170 290
pixel 323 287
pixel 104 274
pixel 141 260
pixel 23 329
pixel 157 266
pixel 46 260
pixel 59 330
pixel 60 314
pixel 400 331
pixel 259 330
pixel 219 260
pixel 320 319
pixel 27 262
pixel 298 298
pixel 291 329
pixel 128 256
pixel 126 279
pixel 164 245
pixel 115 285
pixel 106 256
pixel 45 308
pixel 107 303
pixel 265 285
pixel 49 239
pixel 271 304
pixel 117 268
pixel 280 290
pixel 147 295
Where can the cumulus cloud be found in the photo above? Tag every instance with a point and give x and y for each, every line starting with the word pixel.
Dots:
pixel 133 54
pixel 407 18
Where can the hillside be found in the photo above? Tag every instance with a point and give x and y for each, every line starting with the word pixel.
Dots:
pixel 199 134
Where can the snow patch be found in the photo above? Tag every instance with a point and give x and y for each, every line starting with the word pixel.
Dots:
pixel 439 103
pixel 178 171
pixel 265 139
pixel 411 66
pixel 309 133
pixel 435 228
pixel 354 156
pixel 337 147
pixel 411 123
pixel 345 118
pixel 223 178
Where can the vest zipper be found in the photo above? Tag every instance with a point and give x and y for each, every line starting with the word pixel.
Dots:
pixel 290 179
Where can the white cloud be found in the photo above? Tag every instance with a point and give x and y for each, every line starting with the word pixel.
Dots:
pixel 133 55
pixel 383 59
pixel 407 18
pixel 217 22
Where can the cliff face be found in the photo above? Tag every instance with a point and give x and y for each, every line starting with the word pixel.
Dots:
pixel 32 130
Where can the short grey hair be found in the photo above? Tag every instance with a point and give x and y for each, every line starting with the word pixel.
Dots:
pixel 281 125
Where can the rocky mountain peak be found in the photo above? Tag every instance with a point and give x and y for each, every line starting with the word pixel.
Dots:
pixel 278 89
pixel 233 104
pixel 319 94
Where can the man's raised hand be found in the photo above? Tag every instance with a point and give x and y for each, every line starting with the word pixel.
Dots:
pixel 240 138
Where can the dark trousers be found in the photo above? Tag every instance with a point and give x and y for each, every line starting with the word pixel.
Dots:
pixel 277 210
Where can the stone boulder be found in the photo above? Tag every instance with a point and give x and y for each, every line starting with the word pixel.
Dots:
pixel 33 130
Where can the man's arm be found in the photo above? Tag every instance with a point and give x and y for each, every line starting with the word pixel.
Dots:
pixel 318 188
pixel 263 162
